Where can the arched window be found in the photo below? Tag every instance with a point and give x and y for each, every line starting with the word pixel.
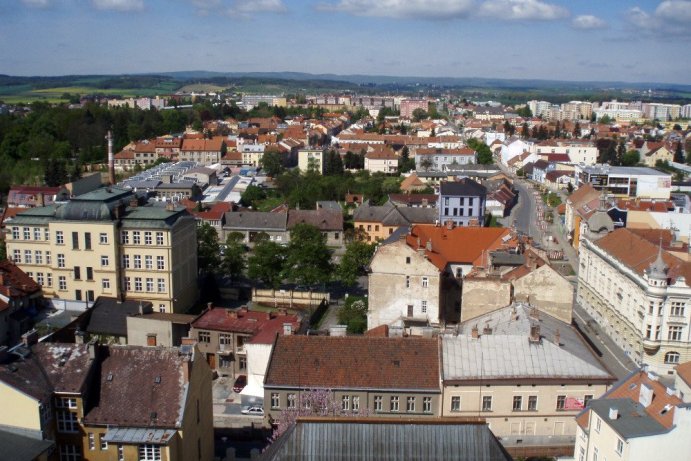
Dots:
pixel 672 357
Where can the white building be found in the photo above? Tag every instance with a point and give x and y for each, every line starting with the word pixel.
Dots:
pixel 626 181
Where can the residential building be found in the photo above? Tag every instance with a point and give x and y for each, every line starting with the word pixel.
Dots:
pixel 443 159
pixel 658 153
pixel 626 181
pixel 540 375
pixel 158 329
pixel 33 196
pixel 374 375
pixel 202 151
pixel 381 159
pixel 20 299
pixel 408 106
pixel 580 205
pixel 579 151
pixel 111 402
pixel 108 243
pixel 638 419
pixel 328 221
pixel 253 223
pixel 462 202
pixel 639 295
pixel 311 160
pixel 374 223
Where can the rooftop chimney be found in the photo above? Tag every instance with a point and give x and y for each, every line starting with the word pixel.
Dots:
pixel 287 329
pixel 111 159
pixel 613 413
pixel 337 330
pixel 535 333
pixel 475 333
pixel 449 224
pixel 30 338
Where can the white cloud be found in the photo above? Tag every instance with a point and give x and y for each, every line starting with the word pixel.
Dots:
pixel 674 10
pixel 587 21
pixel 119 5
pixel 671 17
pixel 403 9
pixel 37 3
pixel 522 10
pixel 250 7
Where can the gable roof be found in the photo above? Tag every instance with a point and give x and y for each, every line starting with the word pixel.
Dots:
pixel 462 187
pixel 263 326
pixel 354 362
pixel 323 219
pixel 412 182
pixel 256 220
pixel 391 215
pixel 109 316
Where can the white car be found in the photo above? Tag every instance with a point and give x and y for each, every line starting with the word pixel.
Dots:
pixel 256 411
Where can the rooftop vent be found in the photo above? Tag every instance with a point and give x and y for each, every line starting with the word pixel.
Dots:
pixel 157 380
pixel 613 413
pixel 109 377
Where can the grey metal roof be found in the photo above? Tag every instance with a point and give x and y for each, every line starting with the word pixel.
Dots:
pixel 329 205
pixel 109 317
pixel 504 258
pixel 632 419
pixel 17 447
pixel 624 170
pixel 376 440
pixel 463 187
pixel 138 435
pixel 391 215
pixel 256 220
pixel 507 353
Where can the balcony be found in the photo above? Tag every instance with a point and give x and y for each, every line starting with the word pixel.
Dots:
pixel 651 346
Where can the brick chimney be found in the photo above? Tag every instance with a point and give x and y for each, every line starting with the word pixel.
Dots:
pixel 535 333
pixel 449 224
pixel 557 338
pixel 475 333
pixel 30 338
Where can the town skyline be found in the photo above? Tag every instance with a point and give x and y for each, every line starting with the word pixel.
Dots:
pixel 513 39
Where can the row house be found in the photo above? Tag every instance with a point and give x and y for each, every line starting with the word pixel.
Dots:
pixel 107 243
pixel 33 196
pixel 438 159
pixel 373 223
pixel 110 402
pixel 223 334
pixel 639 295
pixel 202 151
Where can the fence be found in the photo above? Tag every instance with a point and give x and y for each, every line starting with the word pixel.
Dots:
pixel 290 298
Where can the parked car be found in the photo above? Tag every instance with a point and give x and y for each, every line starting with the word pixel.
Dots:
pixel 256 411
pixel 240 383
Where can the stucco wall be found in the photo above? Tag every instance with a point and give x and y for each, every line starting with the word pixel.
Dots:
pixel 482 295
pixel 547 290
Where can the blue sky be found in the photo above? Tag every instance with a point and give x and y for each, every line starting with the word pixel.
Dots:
pixel 611 40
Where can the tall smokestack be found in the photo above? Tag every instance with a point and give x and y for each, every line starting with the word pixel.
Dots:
pixel 111 159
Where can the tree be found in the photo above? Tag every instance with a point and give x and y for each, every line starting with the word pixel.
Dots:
pixel 272 164
pixel 354 261
pixel 678 154
pixel 630 158
pixel 605 120
pixel 406 163
pixel 266 262
pixel 525 131
pixel 419 114
pixel 234 255
pixel 333 165
pixel 252 195
pixel 308 259
pixel 426 164
pixel 577 130
pixel 353 314
pixel 484 153
pixel 525 112
pixel 208 249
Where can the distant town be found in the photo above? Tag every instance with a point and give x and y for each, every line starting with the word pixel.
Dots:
pixel 218 275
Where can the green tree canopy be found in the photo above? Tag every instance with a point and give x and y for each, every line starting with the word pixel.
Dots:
pixel 484 153
pixel 234 255
pixel 631 158
pixel 252 195
pixel 353 314
pixel 272 163
pixel 266 262
pixel 419 114
pixel 308 259
pixel 208 249
pixel 354 261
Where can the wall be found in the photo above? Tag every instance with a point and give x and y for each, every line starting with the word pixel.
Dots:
pixel 138 328
pixel 482 295
pixel 289 298
pixel 19 410
pixel 547 290
pixel 198 425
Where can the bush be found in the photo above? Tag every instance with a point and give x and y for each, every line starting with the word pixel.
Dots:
pixel 354 315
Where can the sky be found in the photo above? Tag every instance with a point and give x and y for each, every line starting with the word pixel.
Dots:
pixel 575 40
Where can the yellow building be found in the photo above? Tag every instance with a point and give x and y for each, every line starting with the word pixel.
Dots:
pixel 109 243
pixel 111 402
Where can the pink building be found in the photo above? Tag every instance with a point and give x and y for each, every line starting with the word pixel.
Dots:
pixel 409 105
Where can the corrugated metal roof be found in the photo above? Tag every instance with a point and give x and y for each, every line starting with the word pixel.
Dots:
pixel 139 435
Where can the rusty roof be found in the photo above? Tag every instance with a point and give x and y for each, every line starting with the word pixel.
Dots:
pixel 263 326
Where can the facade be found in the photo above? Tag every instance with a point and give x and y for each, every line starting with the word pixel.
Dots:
pixel 372 375
pixel 443 159
pixel 408 106
pixel 578 150
pixel 222 335
pixel 626 181
pixel 202 151
pixel 540 375
pixel 637 420
pixel 374 223
pixel 111 402
pixel 20 299
pixel 105 243
pixel 253 223
pixel 381 160
pixel 311 160
pixel 639 295
pixel 158 329
pixel 462 202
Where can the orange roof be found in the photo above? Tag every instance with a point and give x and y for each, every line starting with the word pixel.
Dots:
pixel 684 372
pixel 433 151
pixel 381 152
pixel 463 245
pixel 203 145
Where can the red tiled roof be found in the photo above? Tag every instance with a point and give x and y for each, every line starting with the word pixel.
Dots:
pixel 203 145
pixel 684 372
pixel 354 362
pixel 433 151
pixel 262 325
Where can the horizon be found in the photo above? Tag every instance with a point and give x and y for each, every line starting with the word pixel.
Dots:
pixel 547 40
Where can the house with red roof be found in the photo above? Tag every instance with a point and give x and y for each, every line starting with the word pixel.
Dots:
pixel 20 299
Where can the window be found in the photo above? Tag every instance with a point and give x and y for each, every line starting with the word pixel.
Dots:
pixel 39 257
pixel 137 284
pixel 225 338
pixel 148 240
pixel 104 261
pixel 137 261
pixel 128 284
pixel 423 307
pixel 407 281
pixel 148 262
pixel 89 273
pixel 75 240
pixel 587 398
pixel 49 280
pixel 394 403
pixel 17 256
pixel 103 238
pixel 104 444
pixel 674 333
pixel 677 309
pixel 77 273
pixel 67 421
pixel 87 240
pixel 378 403
pixel 456 403
pixel 410 404
pixel 136 238
pixel 37 233
pixel 15 233
pixel 620 446
pixel 517 402
pixel 425 282
pixel 242 362
pixel 149 453
pixel 27 257
pixel 121 453
pixel 125 238
pixel 561 400
pixel 70 453
pixel 161 285
pixel 49 259
pixel 62 283
pixel 275 400
pixel 581 454
pixel 427 404
pixel 39 278
pixel 92 442
pixel 486 403
pixel 356 404
pixel 66 402
pixel 46 234
pixel 105 283
pixel 595 453
pixel 159 263
pixel 159 238
pixel 672 357
pixel 345 403
pixel 598 425
pixel 126 261
pixel 204 337
pixel 59 238
pixel 532 403
pixel 291 400
pixel 407 260
pixel 27 233
pixel 61 260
